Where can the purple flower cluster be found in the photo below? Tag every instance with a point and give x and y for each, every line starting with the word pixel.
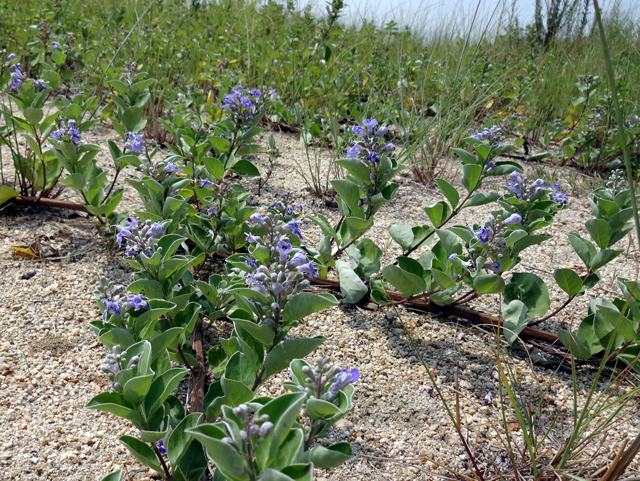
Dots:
pixel 67 132
pixel 254 430
pixel 113 365
pixel 132 301
pixel 17 76
pixel 371 145
pixel 136 302
pixel 139 238
pixel 287 271
pixel 325 381
pixel 492 135
pixel 292 225
pixel 134 142
pixel 527 191
pixel 633 122
pixel 285 206
pixel 243 105
pixel 490 243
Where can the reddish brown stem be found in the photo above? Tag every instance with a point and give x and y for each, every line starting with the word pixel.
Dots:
pixel 459 311
pixel 198 374
pixel 61 204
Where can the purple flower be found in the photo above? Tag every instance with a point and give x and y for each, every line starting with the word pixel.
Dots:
pixel 359 131
pixel 294 227
pixel 136 302
pixel 110 307
pixel 75 90
pixel 301 263
pixel 255 284
pixel 298 259
pixel 256 218
pixel 484 234
pixel 122 234
pixel 487 399
pixel 74 135
pixel 382 131
pixel 355 375
pixel 205 183
pixel 308 269
pixel 493 266
pixel 256 93
pixel 11 56
pixel 17 76
pixel 135 143
pixel 155 230
pixel 56 45
pixel 389 147
pixel 453 257
pixel 134 252
pixel 161 447
pixel 490 165
pixel 515 177
pixel 488 134
pixel 343 378
pixel 284 248
pixel 125 230
pixel 170 167
pixel 211 210
pixel 539 183
pixel 373 158
pixel 369 124
pixel 512 219
pixel 354 151
pixel 38 83
pixel 251 262
pixel 56 134
pixel 251 239
pixel 560 198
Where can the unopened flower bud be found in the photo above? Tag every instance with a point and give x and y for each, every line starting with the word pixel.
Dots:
pixel 241 411
pixel 133 362
pixel 244 436
pixel 230 442
pixel 254 431
pixel 117 386
pixel 265 429
pixel 306 370
pixel 302 285
pixel 264 418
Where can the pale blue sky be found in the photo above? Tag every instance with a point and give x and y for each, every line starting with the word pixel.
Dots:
pixel 432 15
